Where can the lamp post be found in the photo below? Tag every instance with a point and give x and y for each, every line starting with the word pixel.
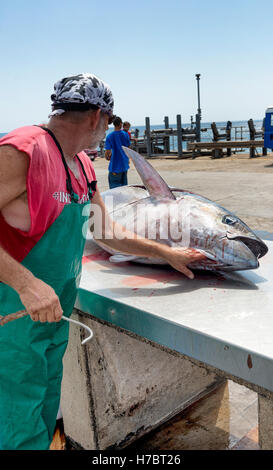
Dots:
pixel 198 115
pixel 197 75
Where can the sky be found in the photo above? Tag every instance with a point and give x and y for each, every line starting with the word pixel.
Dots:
pixel 147 51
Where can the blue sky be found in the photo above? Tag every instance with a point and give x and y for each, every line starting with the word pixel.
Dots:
pixel 147 51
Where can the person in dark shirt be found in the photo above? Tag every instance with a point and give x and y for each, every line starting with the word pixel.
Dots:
pixel 119 162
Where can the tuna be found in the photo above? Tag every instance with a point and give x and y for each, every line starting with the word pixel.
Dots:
pixel 180 218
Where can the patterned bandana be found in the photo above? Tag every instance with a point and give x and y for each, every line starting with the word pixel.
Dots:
pixel 79 93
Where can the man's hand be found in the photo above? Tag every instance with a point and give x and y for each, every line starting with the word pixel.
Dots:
pixel 108 154
pixel 179 258
pixel 41 302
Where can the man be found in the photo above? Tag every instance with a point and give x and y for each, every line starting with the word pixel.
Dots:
pixel 45 182
pixel 119 162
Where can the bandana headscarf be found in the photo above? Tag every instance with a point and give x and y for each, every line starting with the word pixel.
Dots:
pixel 78 92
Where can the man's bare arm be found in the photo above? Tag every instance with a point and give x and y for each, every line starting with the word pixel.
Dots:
pixel 39 299
pixel 131 243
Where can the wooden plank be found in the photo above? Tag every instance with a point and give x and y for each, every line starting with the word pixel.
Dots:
pixel 162 131
pixel 226 144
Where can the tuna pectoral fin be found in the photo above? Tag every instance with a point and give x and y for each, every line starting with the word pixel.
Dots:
pixel 151 179
pixel 208 263
pixel 120 258
pixel 207 254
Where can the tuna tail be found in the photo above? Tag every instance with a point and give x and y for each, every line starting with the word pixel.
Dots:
pixel 151 179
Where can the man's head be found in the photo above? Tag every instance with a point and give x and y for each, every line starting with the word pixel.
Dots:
pixel 85 102
pixel 117 121
pixel 126 126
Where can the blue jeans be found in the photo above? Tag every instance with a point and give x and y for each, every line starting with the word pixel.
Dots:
pixel 117 179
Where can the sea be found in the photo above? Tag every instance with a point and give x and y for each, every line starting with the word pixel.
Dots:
pixel 239 131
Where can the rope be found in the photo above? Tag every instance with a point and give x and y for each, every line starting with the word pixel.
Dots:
pixel 12 316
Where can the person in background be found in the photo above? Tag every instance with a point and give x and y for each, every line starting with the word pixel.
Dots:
pixel 126 128
pixel 119 162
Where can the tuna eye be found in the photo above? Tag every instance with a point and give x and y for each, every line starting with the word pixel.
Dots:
pixel 229 220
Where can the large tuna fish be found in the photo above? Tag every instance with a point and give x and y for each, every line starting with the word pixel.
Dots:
pixel 180 218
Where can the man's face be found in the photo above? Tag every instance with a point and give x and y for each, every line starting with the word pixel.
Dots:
pixel 98 133
pixel 126 127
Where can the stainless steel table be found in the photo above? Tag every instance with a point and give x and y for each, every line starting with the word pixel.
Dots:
pixel 225 320
pixel 162 341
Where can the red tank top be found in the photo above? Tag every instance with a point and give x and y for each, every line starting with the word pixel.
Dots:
pixel 46 187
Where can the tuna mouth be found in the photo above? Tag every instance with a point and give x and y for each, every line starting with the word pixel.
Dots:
pixel 256 246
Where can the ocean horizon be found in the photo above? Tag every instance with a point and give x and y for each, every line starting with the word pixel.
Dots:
pixel 239 130
pixel 257 122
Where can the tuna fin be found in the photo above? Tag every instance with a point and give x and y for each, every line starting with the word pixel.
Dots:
pixel 121 258
pixel 209 263
pixel 150 177
pixel 207 254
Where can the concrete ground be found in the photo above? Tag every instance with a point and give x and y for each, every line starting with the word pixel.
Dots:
pixel 243 186
pixel 203 427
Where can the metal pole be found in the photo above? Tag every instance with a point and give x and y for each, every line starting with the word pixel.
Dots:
pixel 198 116
pixel 198 93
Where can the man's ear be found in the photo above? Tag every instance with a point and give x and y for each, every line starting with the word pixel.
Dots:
pixel 94 119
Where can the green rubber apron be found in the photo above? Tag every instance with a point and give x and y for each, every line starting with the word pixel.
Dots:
pixel 31 352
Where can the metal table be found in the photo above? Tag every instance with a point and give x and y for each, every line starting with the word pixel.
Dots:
pixel 224 320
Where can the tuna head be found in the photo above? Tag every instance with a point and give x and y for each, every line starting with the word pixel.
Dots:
pixel 224 238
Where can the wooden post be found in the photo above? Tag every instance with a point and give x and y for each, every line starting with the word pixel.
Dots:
pixel 167 138
pixel 135 142
pixel 252 135
pixel 251 128
pixel 179 136
pixel 251 152
pixel 148 137
pixel 214 131
pixel 198 127
pixel 228 135
pixel 264 149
